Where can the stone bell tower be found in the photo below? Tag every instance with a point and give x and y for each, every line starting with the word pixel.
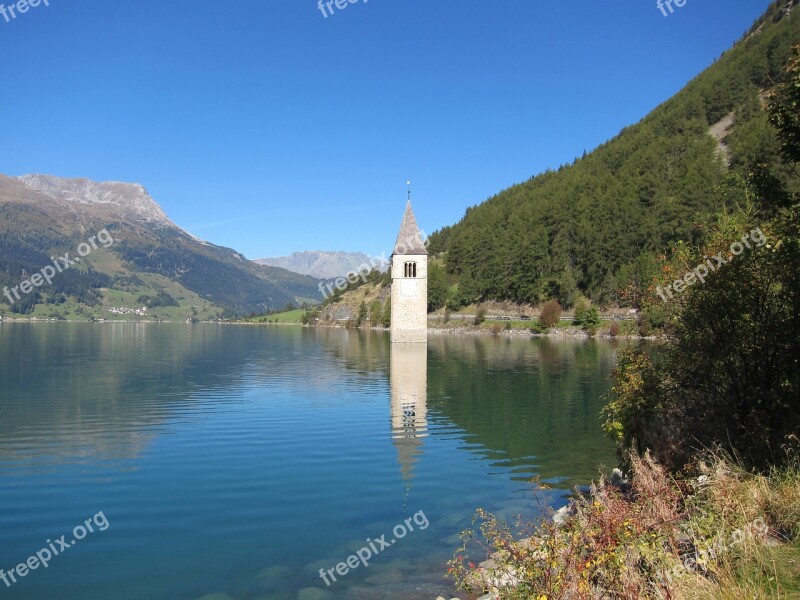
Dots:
pixel 409 283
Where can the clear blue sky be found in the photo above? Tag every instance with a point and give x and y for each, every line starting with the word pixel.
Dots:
pixel 263 126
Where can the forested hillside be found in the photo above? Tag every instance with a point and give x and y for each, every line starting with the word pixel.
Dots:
pixel 595 225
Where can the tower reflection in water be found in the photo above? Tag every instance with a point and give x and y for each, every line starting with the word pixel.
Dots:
pixel 409 408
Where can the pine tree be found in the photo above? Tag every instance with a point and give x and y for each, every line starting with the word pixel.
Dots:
pixel 362 314
pixel 386 320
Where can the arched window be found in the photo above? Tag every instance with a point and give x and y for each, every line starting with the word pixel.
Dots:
pixel 410 269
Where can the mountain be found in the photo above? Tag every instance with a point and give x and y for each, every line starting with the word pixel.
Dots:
pixel 322 265
pixel 111 199
pixel 594 225
pixel 152 261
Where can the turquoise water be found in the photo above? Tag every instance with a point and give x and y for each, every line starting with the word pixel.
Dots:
pixel 236 462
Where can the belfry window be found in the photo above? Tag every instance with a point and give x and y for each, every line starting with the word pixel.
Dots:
pixel 410 269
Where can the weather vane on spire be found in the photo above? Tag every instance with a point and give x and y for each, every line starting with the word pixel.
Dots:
pixel 408 183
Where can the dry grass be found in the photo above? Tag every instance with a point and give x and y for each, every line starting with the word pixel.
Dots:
pixel 723 533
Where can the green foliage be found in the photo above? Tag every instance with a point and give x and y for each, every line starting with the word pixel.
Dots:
pixel 538 327
pixel 215 273
pixel 437 286
pixel 386 319
pixel 375 313
pixel 437 242
pixel 480 315
pixel 729 374
pixel 310 316
pixel 362 314
pixel 461 295
pixel 592 226
pixel 785 113
pixel 587 317
pixel 652 319
pixel 634 412
pixel 24 254
pixel 160 299
pixel 566 290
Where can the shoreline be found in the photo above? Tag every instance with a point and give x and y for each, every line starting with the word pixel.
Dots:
pixel 571 334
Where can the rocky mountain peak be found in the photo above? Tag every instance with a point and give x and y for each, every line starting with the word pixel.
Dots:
pixel 126 201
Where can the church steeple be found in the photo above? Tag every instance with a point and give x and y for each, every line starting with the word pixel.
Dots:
pixel 409 283
pixel 409 240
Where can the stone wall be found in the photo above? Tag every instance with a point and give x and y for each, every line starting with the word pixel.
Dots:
pixel 409 300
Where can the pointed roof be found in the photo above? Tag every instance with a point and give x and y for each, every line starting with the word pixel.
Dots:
pixel 409 240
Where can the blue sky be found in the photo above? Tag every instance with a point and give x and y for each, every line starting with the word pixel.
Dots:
pixel 266 127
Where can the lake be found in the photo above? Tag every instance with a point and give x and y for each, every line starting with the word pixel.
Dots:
pixel 236 462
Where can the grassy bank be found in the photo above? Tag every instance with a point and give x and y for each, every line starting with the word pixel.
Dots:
pixel 290 316
pixel 719 533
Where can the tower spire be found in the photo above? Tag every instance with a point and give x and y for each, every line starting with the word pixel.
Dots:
pixel 409 239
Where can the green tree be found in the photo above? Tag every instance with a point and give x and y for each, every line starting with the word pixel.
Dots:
pixel 784 112
pixel 375 313
pixel 728 375
pixel 437 287
pixel 309 316
pixel 386 319
pixel 567 293
pixel 587 317
pixel 362 314
pixel 585 227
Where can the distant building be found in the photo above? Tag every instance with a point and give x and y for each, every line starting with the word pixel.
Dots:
pixel 409 283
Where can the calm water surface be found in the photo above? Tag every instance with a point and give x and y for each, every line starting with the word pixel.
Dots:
pixel 235 462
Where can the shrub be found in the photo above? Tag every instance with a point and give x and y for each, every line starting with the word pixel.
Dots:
pixel 613 330
pixel 538 328
pixel 652 319
pixel 551 313
pixel 651 538
pixel 587 317
pixel 309 316
pixel 480 315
